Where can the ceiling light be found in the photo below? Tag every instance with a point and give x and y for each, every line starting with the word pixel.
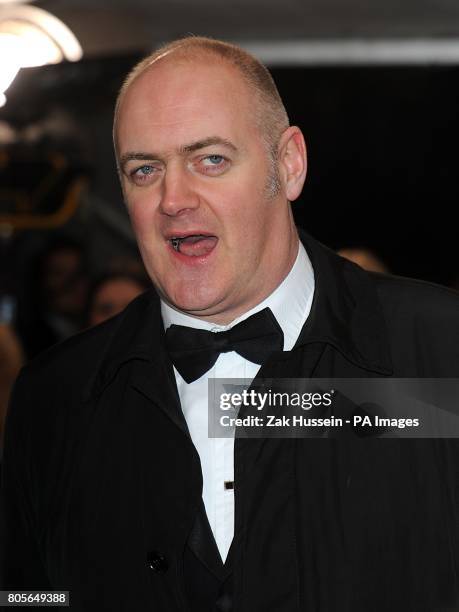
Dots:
pixel 30 36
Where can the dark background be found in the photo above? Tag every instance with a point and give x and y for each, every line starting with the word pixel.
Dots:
pixel 383 161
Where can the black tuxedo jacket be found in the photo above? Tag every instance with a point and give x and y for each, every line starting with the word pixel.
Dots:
pixel 102 484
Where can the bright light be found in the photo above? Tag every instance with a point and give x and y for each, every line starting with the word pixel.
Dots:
pixel 2 100
pixel 30 46
pixel 11 62
pixel 30 36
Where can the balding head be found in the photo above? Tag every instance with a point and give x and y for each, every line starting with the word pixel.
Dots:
pixel 268 110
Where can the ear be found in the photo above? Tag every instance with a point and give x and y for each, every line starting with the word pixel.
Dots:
pixel 292 161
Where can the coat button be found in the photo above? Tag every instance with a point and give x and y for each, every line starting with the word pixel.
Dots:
pixel 157 562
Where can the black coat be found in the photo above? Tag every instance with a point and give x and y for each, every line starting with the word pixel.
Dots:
pixel 99 470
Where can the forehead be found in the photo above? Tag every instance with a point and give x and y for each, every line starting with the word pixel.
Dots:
pixel 175 102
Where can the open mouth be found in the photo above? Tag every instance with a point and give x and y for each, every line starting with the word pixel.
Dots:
pixel 193 245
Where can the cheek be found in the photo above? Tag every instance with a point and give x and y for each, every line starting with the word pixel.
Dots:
pixel 249 214
pixel 141 213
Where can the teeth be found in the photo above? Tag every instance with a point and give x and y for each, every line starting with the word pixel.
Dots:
pixel 175 243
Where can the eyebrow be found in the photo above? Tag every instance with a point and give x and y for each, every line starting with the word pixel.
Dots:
pixel 207 142
pixel 188 148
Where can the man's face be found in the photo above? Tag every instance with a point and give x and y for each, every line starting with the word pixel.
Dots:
pixel 194 172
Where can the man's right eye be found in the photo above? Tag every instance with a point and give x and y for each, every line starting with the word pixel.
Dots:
pixel 145 169
pixel 142 171
pixel 142 174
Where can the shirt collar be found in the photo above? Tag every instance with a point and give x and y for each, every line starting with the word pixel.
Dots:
pixel 290 303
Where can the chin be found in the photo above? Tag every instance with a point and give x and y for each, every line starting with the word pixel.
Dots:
pixel 197 308
pixel 197 303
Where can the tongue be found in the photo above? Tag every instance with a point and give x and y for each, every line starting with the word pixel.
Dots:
pixel 197 246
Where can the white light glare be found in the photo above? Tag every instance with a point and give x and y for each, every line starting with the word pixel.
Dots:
pixel 30 46
pixel 11 63
pixel 29 37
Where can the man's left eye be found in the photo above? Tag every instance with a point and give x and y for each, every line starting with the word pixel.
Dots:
pixel 213 164
pixel 214 160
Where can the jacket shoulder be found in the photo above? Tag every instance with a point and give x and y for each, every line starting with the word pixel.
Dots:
pixel 76 356
pixel 83 352
pixel 51 392
pixel 422 321
pixel 417 298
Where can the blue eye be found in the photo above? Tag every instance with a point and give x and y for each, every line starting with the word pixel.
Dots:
pixel 215 159
pixel 143 175
pixel 213 165
pixel 145 169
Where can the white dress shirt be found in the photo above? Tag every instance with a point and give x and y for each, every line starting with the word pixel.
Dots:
pixel 290 304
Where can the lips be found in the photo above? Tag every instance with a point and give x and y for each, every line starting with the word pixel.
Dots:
pixel 193 245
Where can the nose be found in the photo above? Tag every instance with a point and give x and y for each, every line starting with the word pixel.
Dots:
pixel 177 191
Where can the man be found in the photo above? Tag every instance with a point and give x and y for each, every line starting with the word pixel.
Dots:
pixel 113 489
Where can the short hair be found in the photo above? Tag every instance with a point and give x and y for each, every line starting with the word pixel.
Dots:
pixel 270 115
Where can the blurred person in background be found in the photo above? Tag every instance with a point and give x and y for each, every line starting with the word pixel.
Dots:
pixel 111 293
pixel 365 258
pixel 56 295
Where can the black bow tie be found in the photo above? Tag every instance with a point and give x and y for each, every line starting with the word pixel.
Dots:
pixel 194 351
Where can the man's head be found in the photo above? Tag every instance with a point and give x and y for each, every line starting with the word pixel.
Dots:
pixel 208 165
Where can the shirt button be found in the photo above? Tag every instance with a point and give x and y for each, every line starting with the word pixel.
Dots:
pixel 157 562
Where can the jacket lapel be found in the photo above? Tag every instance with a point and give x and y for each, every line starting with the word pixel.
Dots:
pixel 139 337
pixel 346 312
pixel 202 542
pixel 156 381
